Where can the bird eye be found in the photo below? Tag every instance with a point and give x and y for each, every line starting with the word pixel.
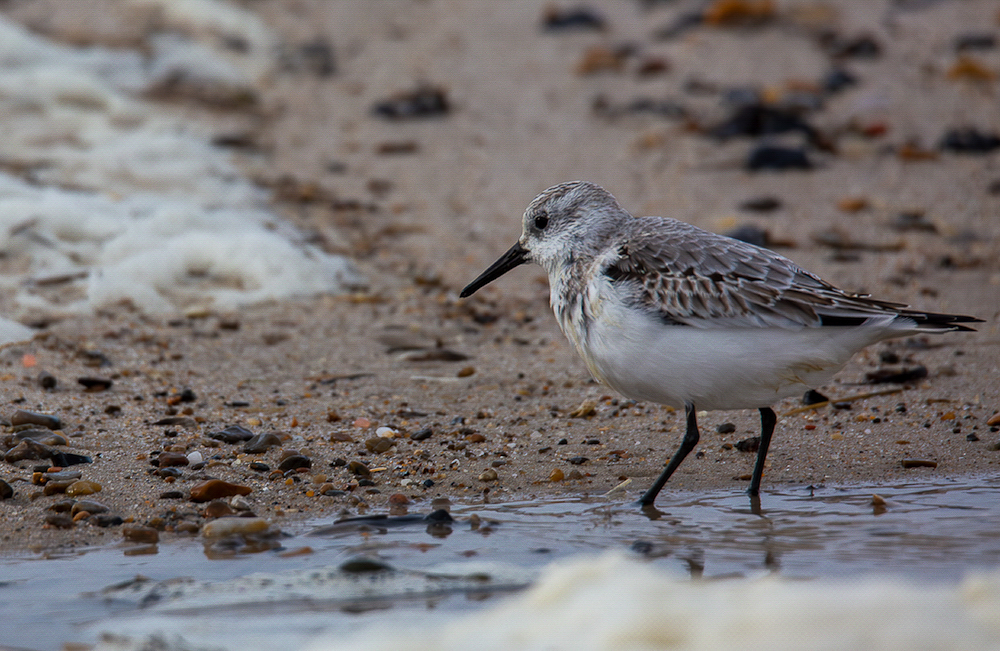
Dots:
pixel 541 221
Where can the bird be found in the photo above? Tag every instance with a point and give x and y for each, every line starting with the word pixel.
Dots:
pixel 663 311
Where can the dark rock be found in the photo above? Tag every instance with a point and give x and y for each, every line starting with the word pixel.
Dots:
pixel 63 506
pixel 92 507
pixel 294 462
pixel 57 487
pixel 63 475
pixel 761 204
pixel 896 376
pixel 918 463
pixel 422 102
pixel 94 383
pixel 177 421
pixel 65 459
pixel 28 449
pixel 358 468
pixel 581 18
pixel 169 471
pixel 758 119
pixel 232 434
pixel 725 428
pixel 439 515
pixel 47 381
pixel 748 445
pixel 364 565
pixel 259 466
pixel 770 157
pixel 45 437
pixel 59 520
pixel 262 443
pixel 106 520
pixel 975 41
pixel 969 140
pixel 6 490
pixel 171 495
pixel 21 417
pixel 170 459
pixel 379 444
pixel 577 461
pixel 421 434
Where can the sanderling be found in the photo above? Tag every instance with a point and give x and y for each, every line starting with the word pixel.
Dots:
pixel 666 312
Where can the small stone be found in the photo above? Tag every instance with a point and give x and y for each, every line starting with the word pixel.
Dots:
pixel 232 434
pixel 379 444
pixel 140 534
pixel 725 428
pixel 92 507
pixel 749 444
pixel 587 409
pixel 95 384
pixel 22 417
pixel 64 459
pixel 63 475
pixel 47 381
pixel 59 520
pixel 172 495
pixel 475 438
pixel 574 474
pixel 239 503
pixel 45 437
pixel 358 468
pixel 577 461
pixel 294 462
pixel 214 489
pixel 171 459
pixel 83 487
pixel 6 491
pixel 341 437
pixel 234 526
pixel 488 475
pixel 364 565
pixel 994 420
pixel 216 509
pixel 195 458
pixel 106 520
pixel 919 463
pixel 262 443
pixel 28 449
pixel 421 434
pixel 56 487
pixel 398 499
pixel 557 475
pixel 466 371
pixel 259 466
pixel 387 432
pixel 878 500
pixel 771 157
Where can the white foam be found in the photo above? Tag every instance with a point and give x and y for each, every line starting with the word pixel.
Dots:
pixel 125 201
pixel 613 603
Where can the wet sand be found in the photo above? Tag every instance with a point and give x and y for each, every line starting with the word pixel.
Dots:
pixel 424 205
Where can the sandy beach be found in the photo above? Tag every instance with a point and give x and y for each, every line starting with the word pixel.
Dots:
pixel 483 399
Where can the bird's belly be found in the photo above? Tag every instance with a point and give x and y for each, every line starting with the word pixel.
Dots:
pixel 713 368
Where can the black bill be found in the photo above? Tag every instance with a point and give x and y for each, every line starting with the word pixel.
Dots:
pixel 515 257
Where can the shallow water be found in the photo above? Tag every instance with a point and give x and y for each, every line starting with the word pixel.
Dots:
pixel 930 533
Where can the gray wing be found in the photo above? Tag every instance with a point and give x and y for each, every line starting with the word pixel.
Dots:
pixel 693 277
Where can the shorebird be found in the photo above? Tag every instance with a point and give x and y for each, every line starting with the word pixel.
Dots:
pixel 666 312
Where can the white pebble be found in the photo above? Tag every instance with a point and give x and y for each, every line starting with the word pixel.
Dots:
pixel 195 457
pixel 387 432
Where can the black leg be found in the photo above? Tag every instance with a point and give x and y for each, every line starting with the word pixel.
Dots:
pixel 767 421
pixel 690 440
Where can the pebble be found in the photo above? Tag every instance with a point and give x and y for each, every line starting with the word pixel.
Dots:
pixel 421 434
pixel 28 449
pixel 6 491
pixel 106 520
pixel 259 466
pixel 239 503
pixel 62 506
pixel 994 420
pixel 64 459
pixel 341 437
pixel 379 444
pixel 362 565
pixel 22 417
pixel 969 140
pixel 213 489
pixel 556 19
pixel 47 381
pixel 725 428
pixel 195 458
pixel 294 462
pixel 234 526
pixel 232 434
pixel 398 499
pixel 171 495
pixel 488 475
pixel 94 383
pixel 919 463
pixel 577 461
pixel 424 101
pixel 896 376
pixel 574 474
pixel 63 475
pixel 45 437
pixel 557 475
pixel 171 459
pixel 358 468
pixel 771 157
pixel 387 432
pixel 217 509
pixel 140 534
pixel 56 487
pixel 83 487
pixel 262 443
pixel 59 520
